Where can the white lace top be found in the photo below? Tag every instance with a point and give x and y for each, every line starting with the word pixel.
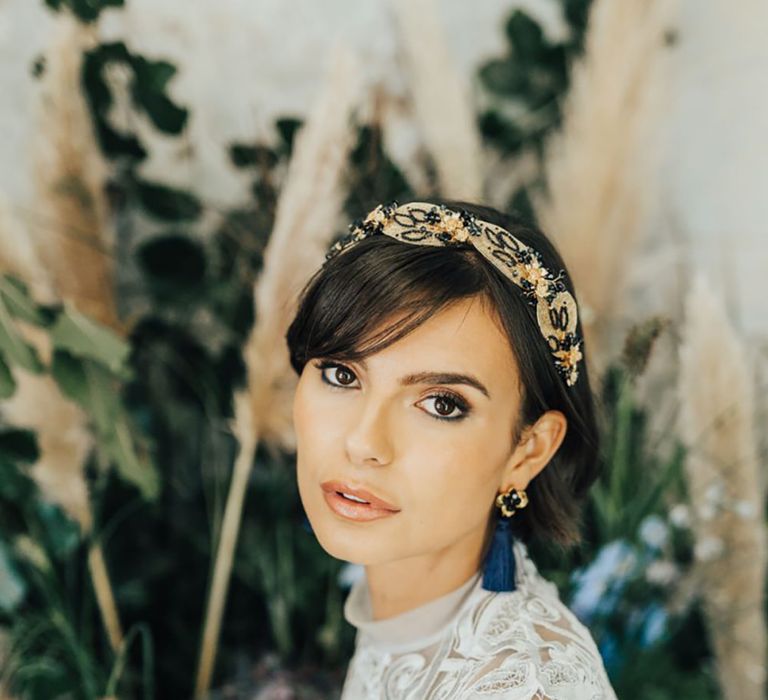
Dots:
pixel 472 643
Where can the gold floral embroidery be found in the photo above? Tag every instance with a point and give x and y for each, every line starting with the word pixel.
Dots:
pixel 423 223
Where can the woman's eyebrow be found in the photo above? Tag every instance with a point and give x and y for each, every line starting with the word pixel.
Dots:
pixel 439 378
pixel 444 378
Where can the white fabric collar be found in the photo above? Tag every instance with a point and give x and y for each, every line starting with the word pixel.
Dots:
pixel 413 626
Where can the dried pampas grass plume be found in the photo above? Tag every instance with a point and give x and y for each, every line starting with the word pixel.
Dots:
pixel 71 227
pixel 62 437
pixel 599 167
pixel 441 99
pixel 308 212
pixel 64 443
pixel 66 256
pixel 717 413
pixel 18 255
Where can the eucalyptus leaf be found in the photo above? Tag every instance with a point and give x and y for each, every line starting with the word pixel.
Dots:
pixel 19 302
pixel 7 382
pixel 84 337
pixel 134 467
pixel 148 91
pixel 526 37
pixel 114 144
pixel 167 203
pixel 69 373
pixel 101 399
pixel 13 347
pixel 94 389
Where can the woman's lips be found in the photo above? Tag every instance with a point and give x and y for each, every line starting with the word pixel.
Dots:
pixel 353 510
pixel 372 499
pixel 372 510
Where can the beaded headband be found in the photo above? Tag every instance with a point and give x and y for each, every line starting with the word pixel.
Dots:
pixel 436 225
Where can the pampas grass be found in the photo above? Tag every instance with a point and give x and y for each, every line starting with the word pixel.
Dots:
pixel 66 260
pixel 599 166
pixel 308 212
pixel 441 100
pixel 72 232
pixel 19 257
pixel 717 425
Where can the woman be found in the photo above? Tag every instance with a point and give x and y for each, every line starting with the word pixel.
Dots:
pixel 444 419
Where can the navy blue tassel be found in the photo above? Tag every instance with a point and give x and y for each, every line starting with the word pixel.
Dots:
pixel 499 565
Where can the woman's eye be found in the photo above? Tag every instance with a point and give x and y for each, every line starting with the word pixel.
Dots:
pixel 446 407
pixel 340 375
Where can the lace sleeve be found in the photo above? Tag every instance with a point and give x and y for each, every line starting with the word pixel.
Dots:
pixel 541 652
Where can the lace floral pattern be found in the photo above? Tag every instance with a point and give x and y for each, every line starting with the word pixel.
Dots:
pixel 518 645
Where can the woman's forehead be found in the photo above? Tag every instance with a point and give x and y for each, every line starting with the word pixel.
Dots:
pixel 465 336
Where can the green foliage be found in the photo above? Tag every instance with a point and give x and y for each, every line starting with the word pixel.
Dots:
pixel 638 483
pixel 89 363
pixel 525 87
pixel 174 266
pixel 150 80
pixel 166 203
pixel 373 177
pixel 98 93
pixel 12 586
pixel 249 156
pixel 51 652
pixel 286 129
pixel 635 476
pixel 78 335
pixel 14 349
pixel 275 554
pixel 84 10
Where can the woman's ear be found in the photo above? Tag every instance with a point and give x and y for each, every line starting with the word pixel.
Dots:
pixel 538 444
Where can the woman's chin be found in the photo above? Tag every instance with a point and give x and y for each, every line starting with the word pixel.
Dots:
pixel 345 546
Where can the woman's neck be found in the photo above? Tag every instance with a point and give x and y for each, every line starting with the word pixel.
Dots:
pixel 399 586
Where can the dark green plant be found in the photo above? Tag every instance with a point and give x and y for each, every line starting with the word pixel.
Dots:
pixel 526 86
pixel 57 645
pixel 84 10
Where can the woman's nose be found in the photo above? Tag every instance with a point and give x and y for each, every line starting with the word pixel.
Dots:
pixel 368 438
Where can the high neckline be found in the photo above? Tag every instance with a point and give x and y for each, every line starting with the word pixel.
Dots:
pixel 414 627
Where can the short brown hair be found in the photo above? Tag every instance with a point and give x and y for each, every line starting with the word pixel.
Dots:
pixel 356 292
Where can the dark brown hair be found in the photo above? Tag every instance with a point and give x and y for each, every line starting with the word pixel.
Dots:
pixel 379 278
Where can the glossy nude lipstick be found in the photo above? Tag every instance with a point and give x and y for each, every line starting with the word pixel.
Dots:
pixel 368 507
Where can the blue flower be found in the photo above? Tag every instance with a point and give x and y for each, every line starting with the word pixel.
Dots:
pixel 598 586
pixel 654 626
pixel 654 531
pixel 609 650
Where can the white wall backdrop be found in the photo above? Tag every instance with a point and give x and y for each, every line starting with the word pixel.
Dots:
pixel 245 62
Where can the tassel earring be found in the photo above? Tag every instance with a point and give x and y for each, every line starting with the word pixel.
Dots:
pixel 499 565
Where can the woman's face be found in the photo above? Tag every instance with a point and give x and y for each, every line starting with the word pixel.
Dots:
pixel 436 449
